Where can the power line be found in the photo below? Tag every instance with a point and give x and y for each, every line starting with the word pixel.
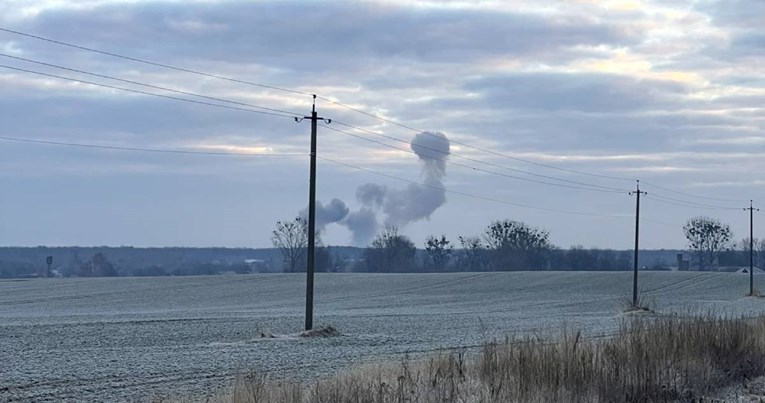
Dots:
pixel 687 204
pixel 157 150
pixel 495 153
pixel 142 149
pixel 693 195
pixel 657 222
pixel 134 59
pixel 145 92
pixel 529 206
pixel 448 153
pixel 590 187
pixel 390 121
pixel 601 188
pixel 475 168
pixel 214 153
pixel 149 85
pixel 598 187
pixel 692 203
pixel 393 122
pixel 167 66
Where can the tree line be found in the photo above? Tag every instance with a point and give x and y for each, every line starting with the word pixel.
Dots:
pixel 503 245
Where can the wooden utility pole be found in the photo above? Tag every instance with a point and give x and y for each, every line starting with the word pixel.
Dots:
pixel 311 217
pixel 637 192
pixel 751 246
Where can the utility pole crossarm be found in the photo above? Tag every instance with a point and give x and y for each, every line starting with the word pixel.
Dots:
pixel 637 193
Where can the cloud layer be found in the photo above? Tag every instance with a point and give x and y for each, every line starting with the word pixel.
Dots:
pixel 670 92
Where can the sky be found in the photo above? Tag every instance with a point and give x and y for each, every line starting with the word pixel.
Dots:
pixel 541 112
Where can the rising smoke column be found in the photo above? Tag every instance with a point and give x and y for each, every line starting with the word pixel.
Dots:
pixel 363 225
pixel 419 201
pixel 398 207
pixel 412 203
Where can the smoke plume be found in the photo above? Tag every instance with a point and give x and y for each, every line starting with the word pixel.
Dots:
pixel 397 207
pixel 363 225
pixel 331 213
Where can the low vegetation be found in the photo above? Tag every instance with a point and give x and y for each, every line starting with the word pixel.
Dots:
pixel 650 359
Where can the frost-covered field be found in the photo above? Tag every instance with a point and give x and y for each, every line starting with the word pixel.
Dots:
pixel 107 339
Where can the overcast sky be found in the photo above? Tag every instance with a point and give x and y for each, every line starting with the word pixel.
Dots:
pixel 669 92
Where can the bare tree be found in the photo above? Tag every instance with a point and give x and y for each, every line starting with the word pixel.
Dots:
pixel 390 251
pixel 336 263
pixel 98 266
pixel 291 237
pixel 329 261
pixel 707 237
pixel 439 252
pixel 471 254
pixel 759 251
pixel 516 245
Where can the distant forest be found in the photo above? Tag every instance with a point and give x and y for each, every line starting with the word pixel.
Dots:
pixel 26 262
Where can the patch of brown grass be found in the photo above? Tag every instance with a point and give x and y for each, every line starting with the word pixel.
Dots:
pixel 664 359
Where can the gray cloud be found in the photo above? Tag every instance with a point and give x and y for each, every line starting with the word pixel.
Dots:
pixel 600 93
pixel 741 14
pixel 353 33
pixel 520 82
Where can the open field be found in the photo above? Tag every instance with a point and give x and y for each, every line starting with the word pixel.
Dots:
pixel 132 338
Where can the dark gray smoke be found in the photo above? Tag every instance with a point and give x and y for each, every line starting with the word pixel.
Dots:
pixel 398 206
pixel 371 194
pixel 433 150
pixel 363 225
pixel 419 201
pixel 414 202
pixel 333 212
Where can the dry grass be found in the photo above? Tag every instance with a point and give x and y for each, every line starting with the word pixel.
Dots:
pixel 664 359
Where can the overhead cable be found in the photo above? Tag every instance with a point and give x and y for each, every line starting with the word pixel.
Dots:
pixel 150 85
pixel 143 149
pixel 145 92
pixel 163 65
pixel 481 149
pixel 661 199
pixel 449 153
pixel 528 206
pixel 157 150
pixel 475 168
pixel 167 66
pixel 693 195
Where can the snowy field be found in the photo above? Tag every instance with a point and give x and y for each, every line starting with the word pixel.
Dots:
pixel 116 339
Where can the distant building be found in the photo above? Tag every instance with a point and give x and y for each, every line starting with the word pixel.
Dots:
pixel 682 263
pixel 258 265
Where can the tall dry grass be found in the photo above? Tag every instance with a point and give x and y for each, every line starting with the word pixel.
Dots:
pixel 666 359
